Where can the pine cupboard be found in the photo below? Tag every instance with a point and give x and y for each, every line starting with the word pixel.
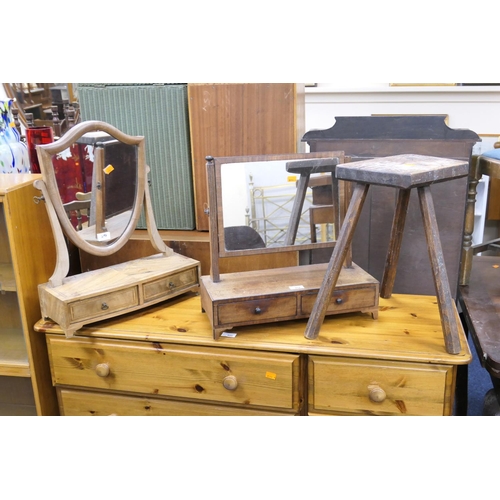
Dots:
pixel 164 361
pixel 27 258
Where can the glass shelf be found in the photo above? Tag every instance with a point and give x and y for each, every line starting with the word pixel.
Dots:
pixel 13 353
pixel 7 280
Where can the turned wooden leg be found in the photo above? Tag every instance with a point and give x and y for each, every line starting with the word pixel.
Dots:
pixel 336 261
pixel 445 300
pixel 398 226
pixel 467 250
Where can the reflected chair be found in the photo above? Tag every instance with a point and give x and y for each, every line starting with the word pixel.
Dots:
pixel 320 215
pixel 242 238
pixel 78 212
pixel 479 290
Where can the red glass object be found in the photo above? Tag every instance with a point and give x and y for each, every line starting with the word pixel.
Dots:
pixel 34 136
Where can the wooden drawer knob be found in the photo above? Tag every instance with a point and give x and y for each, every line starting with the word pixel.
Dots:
pixel 230 383
pixel 102 369
pixel 376 393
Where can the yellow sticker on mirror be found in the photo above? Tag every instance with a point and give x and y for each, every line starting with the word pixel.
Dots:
pixel 108 169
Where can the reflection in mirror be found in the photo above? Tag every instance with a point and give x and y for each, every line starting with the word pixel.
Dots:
pixel 98 201
pixel 258 206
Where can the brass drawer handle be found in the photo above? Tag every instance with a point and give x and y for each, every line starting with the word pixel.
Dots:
pixel 376 393
pixel 104 306
pixel 230 383
pixel 102 369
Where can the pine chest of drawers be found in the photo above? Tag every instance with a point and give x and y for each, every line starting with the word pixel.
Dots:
pixel 164 361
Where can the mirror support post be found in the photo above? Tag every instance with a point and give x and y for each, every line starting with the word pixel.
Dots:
pixel 213 213
pixel 62 257
pixel 100 214
pixel 154 235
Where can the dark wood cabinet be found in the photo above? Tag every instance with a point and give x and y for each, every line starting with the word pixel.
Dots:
pixel 362 137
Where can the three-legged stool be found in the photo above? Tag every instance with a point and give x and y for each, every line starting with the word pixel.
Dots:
pixel 403 172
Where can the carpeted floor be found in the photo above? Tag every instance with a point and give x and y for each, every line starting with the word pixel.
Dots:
pixel 479 385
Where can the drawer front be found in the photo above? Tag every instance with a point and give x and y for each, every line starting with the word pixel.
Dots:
pixel 352 299
pixel 104 304
pixel 199 373
pixel 166 286
pixel 346 385
pixel 253 310
pixel 86 403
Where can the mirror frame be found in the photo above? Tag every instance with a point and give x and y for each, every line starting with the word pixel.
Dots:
pixel 60 223
pixel 45 153
pixel 214 178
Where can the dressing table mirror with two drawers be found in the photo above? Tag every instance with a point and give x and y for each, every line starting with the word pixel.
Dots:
pixel 99 220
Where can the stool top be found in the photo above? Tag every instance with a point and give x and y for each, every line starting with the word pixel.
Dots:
pixel 312 166
pixel 403 171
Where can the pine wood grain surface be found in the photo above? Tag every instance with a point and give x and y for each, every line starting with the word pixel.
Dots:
pixel 408 328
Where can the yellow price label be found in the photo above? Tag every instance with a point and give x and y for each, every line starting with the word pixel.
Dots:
pixel 271 375
pixel 108 169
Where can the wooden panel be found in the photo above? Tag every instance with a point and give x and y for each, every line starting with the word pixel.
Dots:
pixel 480 303
pixel 32 250
pixel 84 403
pixel 241 119
pixel 343 300
pixel 269 380
pixel 263 310
pixel 399 388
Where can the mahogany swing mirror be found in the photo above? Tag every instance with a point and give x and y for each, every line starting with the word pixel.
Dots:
pixel 266 206
pixel 98 215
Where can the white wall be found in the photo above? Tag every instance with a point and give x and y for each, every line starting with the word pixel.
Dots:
pixel 474 108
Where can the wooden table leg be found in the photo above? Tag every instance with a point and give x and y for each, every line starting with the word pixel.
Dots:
pixel 298 203
pixel 336 205
pixel 336 261
pixel 398 226
pixel 445 300
pixel 342 215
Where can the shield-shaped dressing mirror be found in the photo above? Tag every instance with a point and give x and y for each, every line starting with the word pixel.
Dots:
pixel 113 171
pixel 99 213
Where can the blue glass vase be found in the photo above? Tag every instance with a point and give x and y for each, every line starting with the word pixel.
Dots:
pixel 14 157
